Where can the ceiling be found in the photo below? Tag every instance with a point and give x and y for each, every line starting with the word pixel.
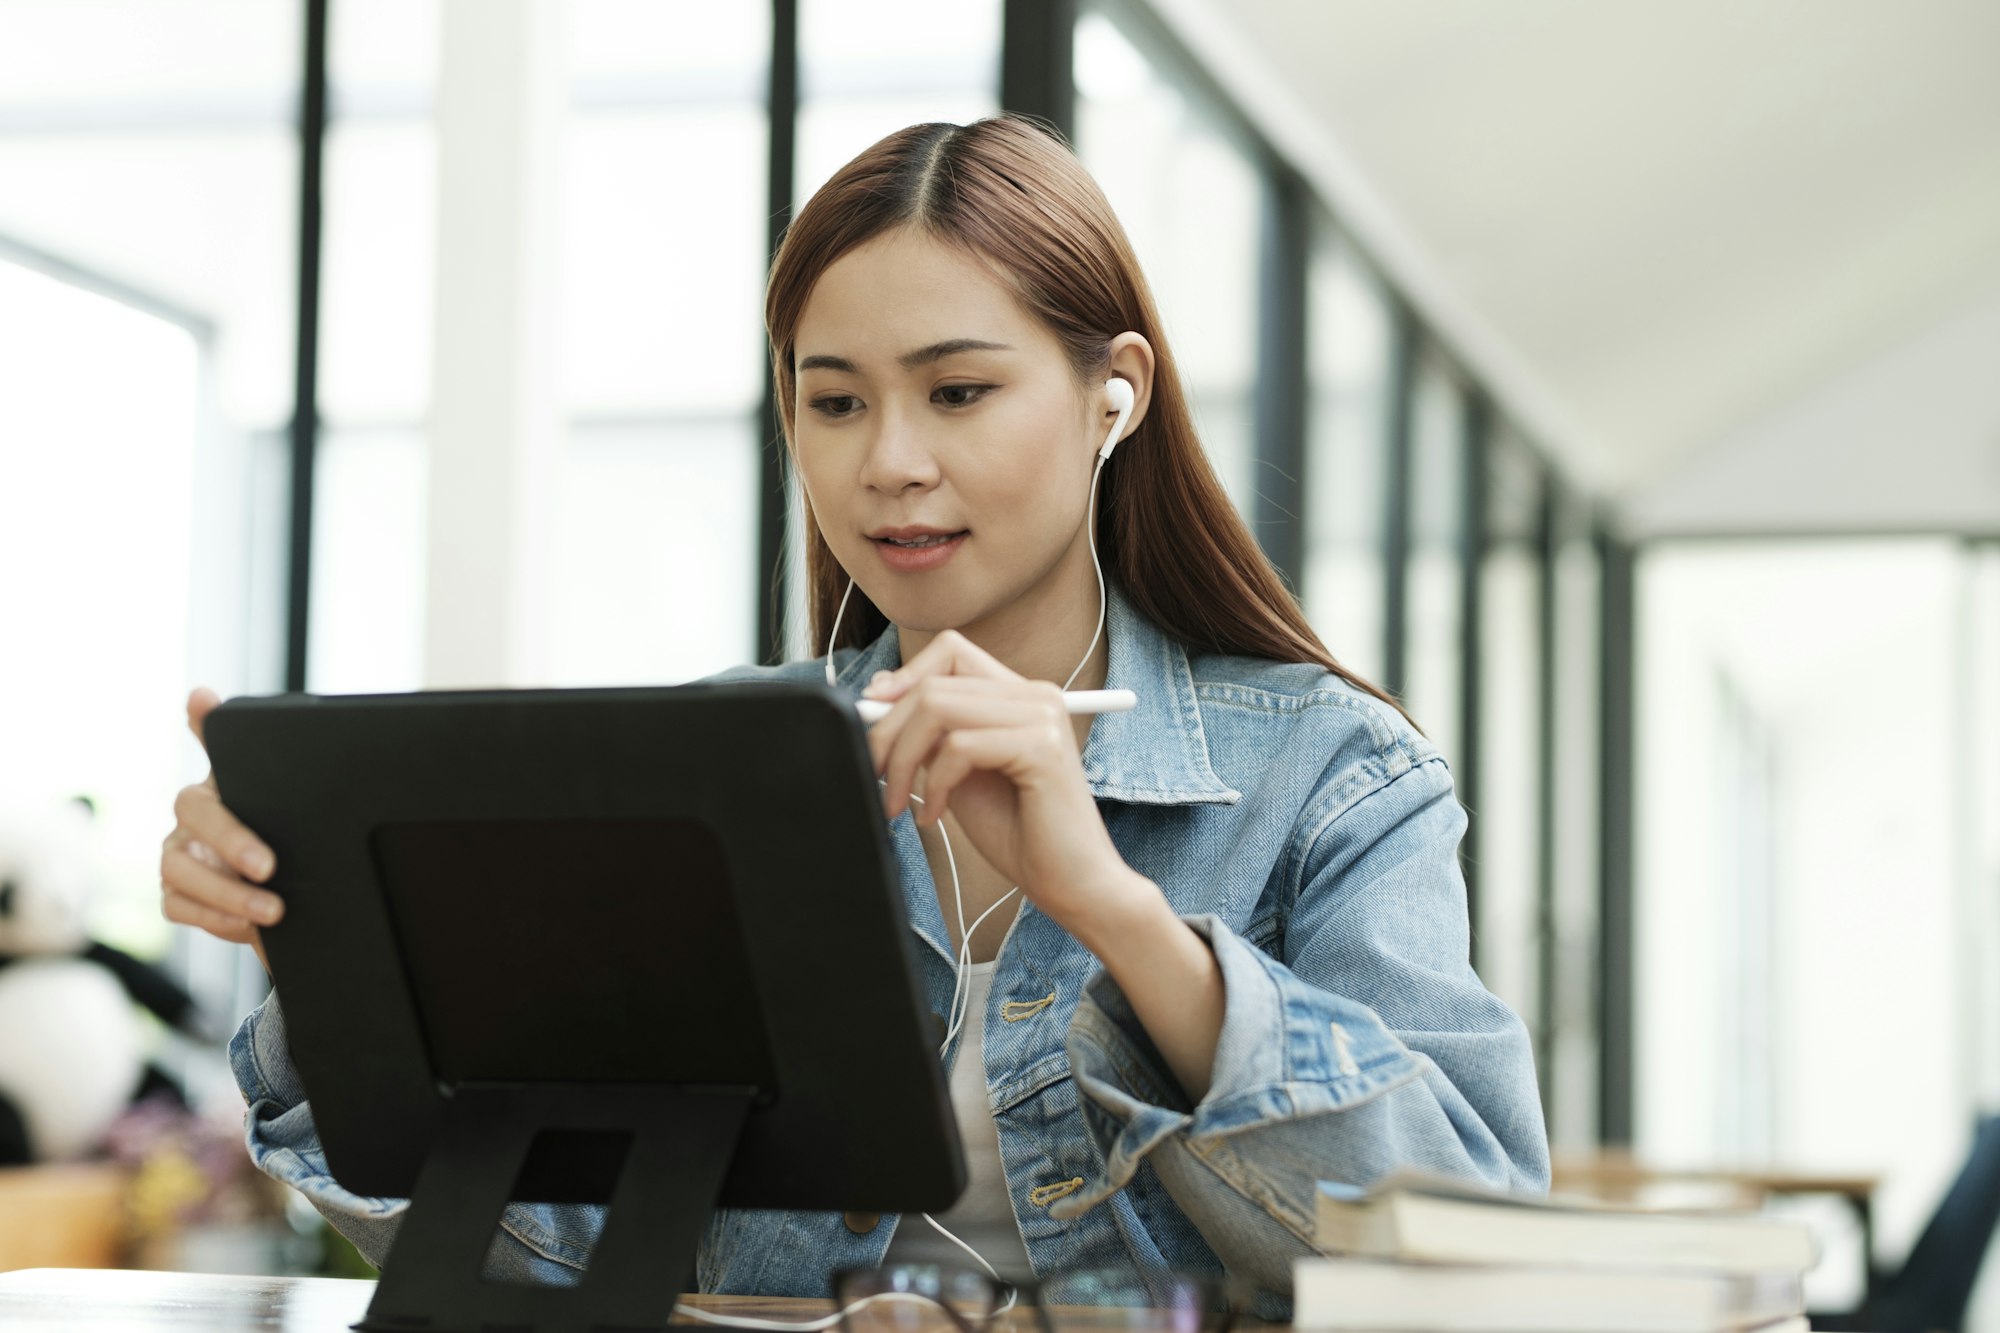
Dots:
pixel 1671 219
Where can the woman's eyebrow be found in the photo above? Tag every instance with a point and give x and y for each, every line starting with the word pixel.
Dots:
pixel 923 356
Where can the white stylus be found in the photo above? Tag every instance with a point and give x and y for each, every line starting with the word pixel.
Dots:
pixel 1074 701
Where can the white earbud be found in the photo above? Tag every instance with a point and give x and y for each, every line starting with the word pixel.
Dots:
pixel 1120 393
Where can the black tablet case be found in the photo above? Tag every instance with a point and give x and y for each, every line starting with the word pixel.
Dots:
pixel 684 885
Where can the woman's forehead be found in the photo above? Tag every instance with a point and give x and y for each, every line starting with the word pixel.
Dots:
pixel 904 291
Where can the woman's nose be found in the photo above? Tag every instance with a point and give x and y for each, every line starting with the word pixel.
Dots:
pixel 899 457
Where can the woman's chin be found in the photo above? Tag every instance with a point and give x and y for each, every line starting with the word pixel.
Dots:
pixel 927 610
pixel 923 620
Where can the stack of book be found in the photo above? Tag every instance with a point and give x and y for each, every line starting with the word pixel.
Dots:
pixel 1423 1252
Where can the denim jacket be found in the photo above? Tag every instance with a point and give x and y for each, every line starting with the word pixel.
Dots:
pixel 1309 834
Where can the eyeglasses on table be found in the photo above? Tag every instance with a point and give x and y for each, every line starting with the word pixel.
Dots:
pixel 943 1298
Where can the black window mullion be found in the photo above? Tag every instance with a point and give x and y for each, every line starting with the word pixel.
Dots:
pixel 1038 61
pixel 1278 504
pixel 1398 496
pixel 773 486
pixel 1615 903
pixel 305 385
pixel 1543 1020
pixel 1473 527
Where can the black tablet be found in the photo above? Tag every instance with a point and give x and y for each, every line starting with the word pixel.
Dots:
pixel 508 894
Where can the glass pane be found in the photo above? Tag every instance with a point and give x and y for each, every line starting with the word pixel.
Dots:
pixel 660 51
pixel 1979 679
pixel 119 62
pixel 367 610
pixel 654 571
pixel 1578 663
pixel 205 222
pixel 1506 941
pixel 1192 203
pixel 663 302
pixel 379 213
pixel 1347 454
pixel 868 70
pixel 377 268
pixel 1816 833
pixel 655 577
pixel 1438 462
pixel 148 234
pixel 98 541
pixel 895 46
pixel 365 630
pixel 382 56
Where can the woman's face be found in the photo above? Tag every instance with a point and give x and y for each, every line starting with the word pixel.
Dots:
pixel 928 398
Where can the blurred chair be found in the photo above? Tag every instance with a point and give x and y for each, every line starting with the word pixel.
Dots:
pixel 64 1215
pixel 1934 1285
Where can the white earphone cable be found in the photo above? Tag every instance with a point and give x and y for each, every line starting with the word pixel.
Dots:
pixel 1090 519
pixel 833 635
pixel 961 991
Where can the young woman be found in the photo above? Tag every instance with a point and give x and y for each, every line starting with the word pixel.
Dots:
pixel 1218 944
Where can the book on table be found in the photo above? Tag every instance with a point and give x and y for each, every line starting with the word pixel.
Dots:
pixel 1375 1294
pixel 1417 1251
pixel 1433 1219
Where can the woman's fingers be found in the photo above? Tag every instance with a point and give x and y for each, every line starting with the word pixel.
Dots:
pixel 180 908
pixel 202 816
pixel 950 667
pixel 205 860
pixel 963 753
pixel 183 875
pixel 940 706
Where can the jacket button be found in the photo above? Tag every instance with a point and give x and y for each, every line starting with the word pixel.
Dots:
pixel 861 1223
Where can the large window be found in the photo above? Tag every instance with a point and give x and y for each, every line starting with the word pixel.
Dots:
pixel 99 544
pixel 150 239
pixel 1817 859
pixel 371 469
pixel 147 234
pixel 662 262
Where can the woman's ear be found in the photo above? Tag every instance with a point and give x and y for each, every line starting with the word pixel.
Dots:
pixel 1132 361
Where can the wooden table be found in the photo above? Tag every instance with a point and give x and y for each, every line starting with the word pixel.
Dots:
pixel 104 1300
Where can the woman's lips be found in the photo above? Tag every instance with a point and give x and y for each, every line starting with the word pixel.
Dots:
pixel 916 559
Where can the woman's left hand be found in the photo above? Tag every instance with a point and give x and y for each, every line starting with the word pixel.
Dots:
pixel 999 751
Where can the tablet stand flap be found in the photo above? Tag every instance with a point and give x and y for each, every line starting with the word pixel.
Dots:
pixel 656 1153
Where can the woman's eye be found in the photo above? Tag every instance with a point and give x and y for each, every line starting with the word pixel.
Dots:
pixel 962 395
pixel 836 405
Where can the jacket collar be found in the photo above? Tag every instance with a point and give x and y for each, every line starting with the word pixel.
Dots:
pixel 1157 754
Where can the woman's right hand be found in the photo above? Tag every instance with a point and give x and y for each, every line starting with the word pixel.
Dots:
pixel 210 865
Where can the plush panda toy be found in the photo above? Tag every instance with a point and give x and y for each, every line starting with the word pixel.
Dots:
pixel 72 1046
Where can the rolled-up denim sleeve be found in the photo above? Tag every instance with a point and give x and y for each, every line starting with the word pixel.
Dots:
pixel 1366 1044
pixel 544 1244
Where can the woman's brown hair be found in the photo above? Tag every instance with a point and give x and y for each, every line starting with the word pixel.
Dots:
pixel 1015 197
